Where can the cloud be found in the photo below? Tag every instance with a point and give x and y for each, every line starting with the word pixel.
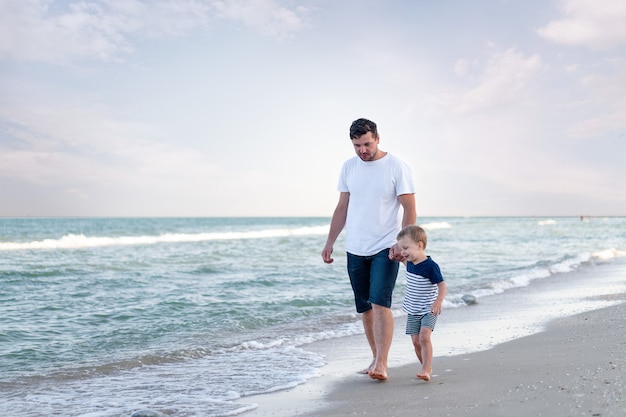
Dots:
pixel 462 67
pixel 504 78
pixel 79 146
pixel 44 31
pixel 594 23
pixel 31 30
pixel 601 124
pixel 265 15
pixel 601 104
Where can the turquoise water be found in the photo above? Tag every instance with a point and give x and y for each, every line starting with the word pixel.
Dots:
pixel 102 317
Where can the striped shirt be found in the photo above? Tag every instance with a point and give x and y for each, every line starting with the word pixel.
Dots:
pixel 421 286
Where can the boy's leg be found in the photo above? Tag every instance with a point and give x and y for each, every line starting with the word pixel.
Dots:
pixel 413 327
pixel 427 353
pixel 415 338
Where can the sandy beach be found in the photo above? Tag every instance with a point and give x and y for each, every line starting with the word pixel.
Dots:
pixel 575 366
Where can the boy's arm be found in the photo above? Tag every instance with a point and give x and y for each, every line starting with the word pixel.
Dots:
pixel 437 305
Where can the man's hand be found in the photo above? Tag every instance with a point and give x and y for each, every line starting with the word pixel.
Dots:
pixel 394 253
pixel 326 254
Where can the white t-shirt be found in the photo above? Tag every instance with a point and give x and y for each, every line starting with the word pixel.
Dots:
pixel 374 217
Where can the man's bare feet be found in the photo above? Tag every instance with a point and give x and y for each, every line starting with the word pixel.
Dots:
pixel 367 370
pixel 423 376
pixel 380 375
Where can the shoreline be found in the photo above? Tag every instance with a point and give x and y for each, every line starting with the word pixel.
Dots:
pixel 577 367
pixel 572 364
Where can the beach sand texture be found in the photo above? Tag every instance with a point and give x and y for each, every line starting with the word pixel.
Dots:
pixel 576 366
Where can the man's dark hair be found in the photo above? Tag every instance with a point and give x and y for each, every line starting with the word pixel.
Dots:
pixel 361 126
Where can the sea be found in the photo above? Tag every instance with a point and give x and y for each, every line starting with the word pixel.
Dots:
pixel 102 317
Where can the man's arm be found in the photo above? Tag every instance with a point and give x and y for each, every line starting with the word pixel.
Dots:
pixel 409 216
pixel 336 226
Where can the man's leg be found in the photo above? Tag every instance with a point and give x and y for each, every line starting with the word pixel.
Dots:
pixel 368 326
pixel 383 335
pixel 359 273
pixel 383 274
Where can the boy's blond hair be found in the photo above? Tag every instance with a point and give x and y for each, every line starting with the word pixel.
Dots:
pixel 415 233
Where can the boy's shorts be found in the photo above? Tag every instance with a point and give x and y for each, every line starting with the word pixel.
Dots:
pixel 414 323
pixel 373 279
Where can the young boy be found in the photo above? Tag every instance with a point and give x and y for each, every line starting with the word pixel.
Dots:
pixel 425 291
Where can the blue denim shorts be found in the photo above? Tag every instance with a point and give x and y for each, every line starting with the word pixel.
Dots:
pixel 373 279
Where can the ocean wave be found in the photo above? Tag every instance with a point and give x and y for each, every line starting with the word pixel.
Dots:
pixel 78 241
pixel 436 226
pixel 542 270
pixel 609 254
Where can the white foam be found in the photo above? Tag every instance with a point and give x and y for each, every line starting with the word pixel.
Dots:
pixel 77 241
pixel 609 254
pixel 207 386
pixel 436 226
pixel 516 314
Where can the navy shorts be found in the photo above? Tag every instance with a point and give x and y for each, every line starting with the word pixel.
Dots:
pixel 373 279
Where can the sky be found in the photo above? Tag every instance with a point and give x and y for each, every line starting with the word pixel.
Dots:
pixel 242 107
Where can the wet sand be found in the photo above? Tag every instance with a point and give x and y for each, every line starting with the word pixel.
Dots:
pixel 574 366
pixel 577 367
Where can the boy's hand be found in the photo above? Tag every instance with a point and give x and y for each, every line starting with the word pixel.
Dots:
pixel 436 309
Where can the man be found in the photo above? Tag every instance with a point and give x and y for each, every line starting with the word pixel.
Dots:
pixel 373 186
